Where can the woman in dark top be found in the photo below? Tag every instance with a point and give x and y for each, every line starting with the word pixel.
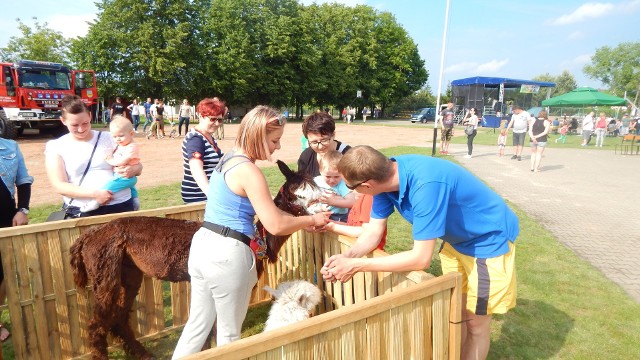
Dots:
pixel 320 130
pixel 200 152
pixel 538 130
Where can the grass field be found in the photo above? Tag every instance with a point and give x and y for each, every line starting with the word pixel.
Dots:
pixel 566 308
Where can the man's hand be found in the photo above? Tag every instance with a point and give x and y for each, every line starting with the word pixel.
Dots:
pixel 340 268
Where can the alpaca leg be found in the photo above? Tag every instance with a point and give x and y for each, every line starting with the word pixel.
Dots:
pixel 131 281
pixel 98 337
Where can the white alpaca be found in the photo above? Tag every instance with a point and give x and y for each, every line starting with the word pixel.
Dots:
pixel 294 301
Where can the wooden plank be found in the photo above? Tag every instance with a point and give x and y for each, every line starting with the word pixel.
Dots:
pixel 158 302
pixel 62 307
pixel 9 265
pixel 37 291
pixel 348 342
pixel 144 311
pixel 439 326
pixel 321 252
pixel 53 335
pixel 374 346
pixel 455 320
pixel 72 304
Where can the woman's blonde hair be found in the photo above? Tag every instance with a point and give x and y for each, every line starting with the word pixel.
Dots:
pixel 253 131
pixel 543 115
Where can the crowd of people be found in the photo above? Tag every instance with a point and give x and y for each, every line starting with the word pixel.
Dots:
pixel 95 173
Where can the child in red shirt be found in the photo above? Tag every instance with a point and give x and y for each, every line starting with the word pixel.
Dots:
pixel 358 218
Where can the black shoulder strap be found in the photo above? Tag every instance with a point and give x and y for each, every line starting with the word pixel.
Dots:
pixel 86 170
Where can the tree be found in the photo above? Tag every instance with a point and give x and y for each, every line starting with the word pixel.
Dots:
pixel 618 67
pixel 40 43
pixel 565 82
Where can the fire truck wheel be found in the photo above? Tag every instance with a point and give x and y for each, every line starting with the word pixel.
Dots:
pixel 8 129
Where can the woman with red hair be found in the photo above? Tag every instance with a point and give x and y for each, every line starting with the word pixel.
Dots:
pixel 200 151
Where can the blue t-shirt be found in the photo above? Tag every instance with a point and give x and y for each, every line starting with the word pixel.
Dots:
pixel 226 208
pixel 147 108
pixel 443 200
pixel 341 189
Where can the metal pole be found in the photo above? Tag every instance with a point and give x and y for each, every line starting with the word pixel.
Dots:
pixel 444 48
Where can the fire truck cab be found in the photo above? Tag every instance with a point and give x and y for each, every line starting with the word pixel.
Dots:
pixel 31 92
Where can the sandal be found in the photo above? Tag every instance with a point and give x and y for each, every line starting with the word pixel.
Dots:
pixel 4 331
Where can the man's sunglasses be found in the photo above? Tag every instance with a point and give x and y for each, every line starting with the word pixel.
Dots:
pixel 353 187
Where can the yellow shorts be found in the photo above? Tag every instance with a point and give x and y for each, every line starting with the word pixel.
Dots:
pixel 490 284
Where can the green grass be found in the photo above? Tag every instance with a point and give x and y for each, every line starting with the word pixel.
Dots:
pixel 566 308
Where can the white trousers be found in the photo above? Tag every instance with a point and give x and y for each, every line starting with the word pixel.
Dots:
pixel 223 273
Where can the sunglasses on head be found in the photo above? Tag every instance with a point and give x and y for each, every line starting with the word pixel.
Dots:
pixel 281 119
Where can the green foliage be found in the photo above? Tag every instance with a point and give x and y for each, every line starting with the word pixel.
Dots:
pixel 565 82
pixel 618 67
pixel 37 43
pixel 250 52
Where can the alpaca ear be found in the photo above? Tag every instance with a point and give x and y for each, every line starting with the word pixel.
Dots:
pixel 302 300
pixel 285 170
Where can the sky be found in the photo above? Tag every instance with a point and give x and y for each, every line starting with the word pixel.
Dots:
pixel 503 38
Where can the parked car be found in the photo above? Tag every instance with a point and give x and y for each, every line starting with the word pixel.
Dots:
pixel 424 115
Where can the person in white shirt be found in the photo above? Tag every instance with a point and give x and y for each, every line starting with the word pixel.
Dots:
pixel 520 124
pixel 587 128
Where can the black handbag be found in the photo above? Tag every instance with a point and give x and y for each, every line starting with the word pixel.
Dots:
pixel 69 211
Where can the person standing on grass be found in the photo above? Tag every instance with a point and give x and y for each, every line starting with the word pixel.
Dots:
pixel 538 130
pixel 520 124
pixel 222 264
pixel 441 200
pixel 200 151
pixel 448 116
pixel 587 128
pixel 601 129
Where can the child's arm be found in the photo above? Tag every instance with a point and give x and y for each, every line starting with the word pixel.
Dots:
pixel 333 199
pixel 344 229
pixel 119 162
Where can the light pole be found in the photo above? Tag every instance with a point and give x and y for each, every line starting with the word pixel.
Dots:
pixel 444 50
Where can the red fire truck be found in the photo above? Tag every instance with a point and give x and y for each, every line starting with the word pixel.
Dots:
pixel 31 91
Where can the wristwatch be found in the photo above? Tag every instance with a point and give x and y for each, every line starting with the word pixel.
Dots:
pixel 24 211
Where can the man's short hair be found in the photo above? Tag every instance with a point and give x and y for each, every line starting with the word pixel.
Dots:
pixel 319 122
pixel 362 163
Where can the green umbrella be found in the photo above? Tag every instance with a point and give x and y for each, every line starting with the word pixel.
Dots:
pixel 584 96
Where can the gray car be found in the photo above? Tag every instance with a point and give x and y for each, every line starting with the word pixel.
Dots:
pixel 424 115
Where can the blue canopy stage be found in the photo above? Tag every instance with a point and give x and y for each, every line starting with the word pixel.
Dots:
pixel 487 95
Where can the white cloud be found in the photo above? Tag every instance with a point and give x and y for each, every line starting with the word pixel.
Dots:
pixel 70 26
pixel 591 11
pixel 489 67
pixel 582 59
pixel 575 35
pixel 492 66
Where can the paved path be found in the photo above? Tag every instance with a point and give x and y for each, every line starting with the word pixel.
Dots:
pixel 588 198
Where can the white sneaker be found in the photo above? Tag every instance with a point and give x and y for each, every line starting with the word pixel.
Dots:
pixel 467 156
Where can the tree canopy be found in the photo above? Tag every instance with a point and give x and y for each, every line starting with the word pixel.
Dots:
pixel 37 43
pixel 275 52
pixel 618 67
pixel 565 82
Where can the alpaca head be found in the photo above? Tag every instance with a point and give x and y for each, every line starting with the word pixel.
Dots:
pixel 295 300
pixel 299 195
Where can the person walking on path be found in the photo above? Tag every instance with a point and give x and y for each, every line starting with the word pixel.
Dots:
pixel 147 114
pixel 472 119
pixel 538 130
pixel 448 116
pixel 185 116
pixel 135 114
pixel 441 200
pixel 601 129
pixel 520 124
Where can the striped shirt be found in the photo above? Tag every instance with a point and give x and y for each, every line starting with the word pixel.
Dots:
pixel 196 146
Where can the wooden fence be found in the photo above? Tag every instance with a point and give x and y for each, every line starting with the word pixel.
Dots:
pixel 378 314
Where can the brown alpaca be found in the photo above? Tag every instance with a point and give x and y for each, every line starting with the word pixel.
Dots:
pixel 116 255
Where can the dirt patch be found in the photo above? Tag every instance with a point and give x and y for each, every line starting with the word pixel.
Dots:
pixel 162 159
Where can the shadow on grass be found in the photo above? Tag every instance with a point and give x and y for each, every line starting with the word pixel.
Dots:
pixel 532 330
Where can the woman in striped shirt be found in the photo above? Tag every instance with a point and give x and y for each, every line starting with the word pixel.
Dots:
pixel 200 151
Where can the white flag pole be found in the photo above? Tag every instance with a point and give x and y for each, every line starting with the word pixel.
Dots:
pixel 444 50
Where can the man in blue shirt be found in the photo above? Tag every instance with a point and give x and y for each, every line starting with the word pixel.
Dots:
pixel 441 200
pixel 147 114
